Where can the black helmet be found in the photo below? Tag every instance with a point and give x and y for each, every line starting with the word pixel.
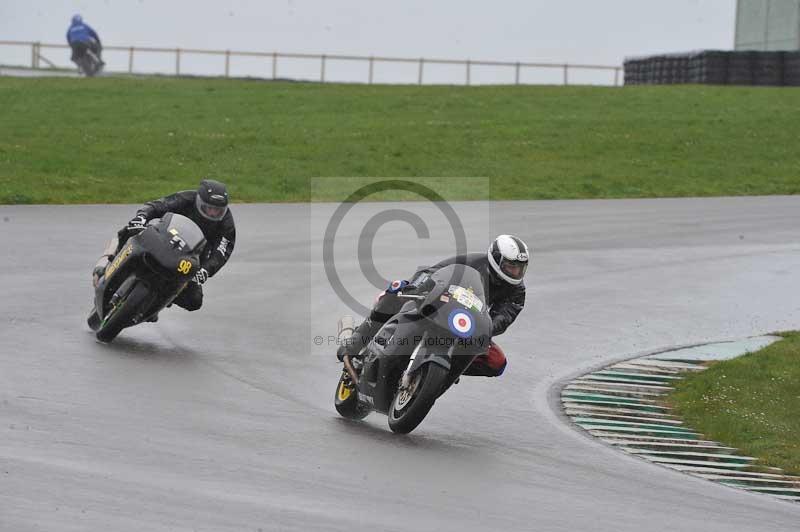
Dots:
pixel 212 200
pixel 508 256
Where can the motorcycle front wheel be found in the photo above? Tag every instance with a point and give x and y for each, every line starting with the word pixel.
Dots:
pixel 123 312
pixel 410 405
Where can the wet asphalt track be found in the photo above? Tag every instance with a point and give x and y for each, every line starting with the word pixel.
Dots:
pixel 223 420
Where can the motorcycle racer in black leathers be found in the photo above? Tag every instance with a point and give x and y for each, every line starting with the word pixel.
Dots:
pixel 502 269
pixel 208 208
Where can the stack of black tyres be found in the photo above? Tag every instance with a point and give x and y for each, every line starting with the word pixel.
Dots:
pixel 740 68
pixel 709 67
pixel 680 68
pixel 768 68
pixel 791 69
pixel 716 68
pixel 633 72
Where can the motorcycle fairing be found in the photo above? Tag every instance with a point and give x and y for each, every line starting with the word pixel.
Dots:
pixel 169 247
pixel 424 332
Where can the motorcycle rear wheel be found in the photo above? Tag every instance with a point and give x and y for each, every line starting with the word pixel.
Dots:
pixel 346 400
pixel 123 313
pixel 93 321
pixel 89 65
pixel 406 413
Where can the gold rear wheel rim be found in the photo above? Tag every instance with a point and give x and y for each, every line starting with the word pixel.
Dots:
pixel 344 392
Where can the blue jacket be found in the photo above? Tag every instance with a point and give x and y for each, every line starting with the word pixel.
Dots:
pixel 81 32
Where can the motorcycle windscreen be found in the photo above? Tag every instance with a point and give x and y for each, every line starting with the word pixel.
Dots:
pixel 458 303
pixel 187 231
pixel 450 278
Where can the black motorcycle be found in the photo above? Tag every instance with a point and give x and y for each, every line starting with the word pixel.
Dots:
pixel 146 275
pixel 87 57
pixel 418 353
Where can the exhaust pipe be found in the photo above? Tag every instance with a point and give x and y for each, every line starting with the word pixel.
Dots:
pixel 345 329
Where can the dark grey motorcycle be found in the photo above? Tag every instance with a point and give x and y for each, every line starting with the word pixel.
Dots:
pixel 146 275
pixel 418 353
pixel 87 57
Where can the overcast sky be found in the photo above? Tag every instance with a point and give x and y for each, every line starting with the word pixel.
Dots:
pixel 576 31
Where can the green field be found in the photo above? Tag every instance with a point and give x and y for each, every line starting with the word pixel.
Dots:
pixel 751 403
pixel 128 140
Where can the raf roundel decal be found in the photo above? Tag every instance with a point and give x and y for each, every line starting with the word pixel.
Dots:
pixel 461 323
pixel 396 286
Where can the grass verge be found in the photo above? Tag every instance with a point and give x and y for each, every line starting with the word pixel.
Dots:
pixel 129 140
pixel 751 403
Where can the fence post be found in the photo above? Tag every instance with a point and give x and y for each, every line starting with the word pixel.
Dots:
pixel 227 63
pixel 33 55
pixel 566 75
pixel 177 61
pixel 322 70
pixel 469 66
pixel 371 62
pixel 274 65
pixel 130 60
pixel 616 77
pixel 516 74
pixel 421 65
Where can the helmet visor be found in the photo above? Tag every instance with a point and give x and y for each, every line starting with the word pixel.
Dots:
pixel 209 211
pixel 513 268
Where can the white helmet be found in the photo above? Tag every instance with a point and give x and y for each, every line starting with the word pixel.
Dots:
pixel 508 256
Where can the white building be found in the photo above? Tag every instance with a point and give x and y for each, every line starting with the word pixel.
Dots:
pixel 767 25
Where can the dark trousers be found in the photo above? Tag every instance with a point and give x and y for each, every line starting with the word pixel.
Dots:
pixel 387 305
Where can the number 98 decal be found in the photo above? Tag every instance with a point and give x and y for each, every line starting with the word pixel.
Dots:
pixel 185 267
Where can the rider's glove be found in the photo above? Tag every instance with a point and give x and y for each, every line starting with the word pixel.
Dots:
pixel 201 276
pixel 420 283
pixel 137 224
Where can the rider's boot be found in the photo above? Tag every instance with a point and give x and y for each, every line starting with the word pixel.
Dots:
pixel 386 306
pixel 100 269
pixel 358 337
pixel 108 255
pixel 346 336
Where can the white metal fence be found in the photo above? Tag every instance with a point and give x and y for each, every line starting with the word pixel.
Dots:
pixel 271 65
